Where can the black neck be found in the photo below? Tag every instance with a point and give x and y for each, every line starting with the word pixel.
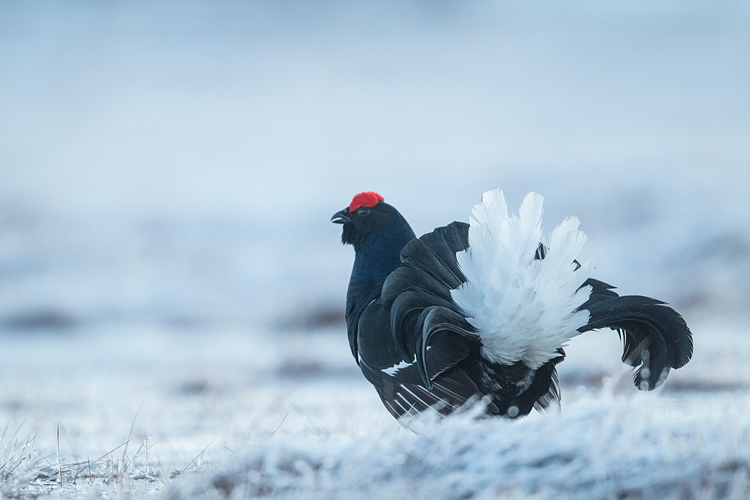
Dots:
pixel 375 259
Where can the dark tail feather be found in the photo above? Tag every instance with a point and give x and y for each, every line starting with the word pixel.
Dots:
pixel 655 337
pixel 551 398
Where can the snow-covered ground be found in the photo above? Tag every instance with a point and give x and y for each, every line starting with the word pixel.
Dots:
pixel 171 289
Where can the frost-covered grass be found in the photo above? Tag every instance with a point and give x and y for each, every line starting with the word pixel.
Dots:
pixel 201 415
pixel 20 465
pixel 601 447
pixel 25 473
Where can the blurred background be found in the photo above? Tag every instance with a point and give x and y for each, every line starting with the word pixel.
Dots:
pixel 179 163
pixel 168 169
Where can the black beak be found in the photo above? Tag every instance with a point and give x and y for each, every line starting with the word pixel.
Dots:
pixel 341 217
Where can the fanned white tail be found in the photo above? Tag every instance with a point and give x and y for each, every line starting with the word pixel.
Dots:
pixel 523 308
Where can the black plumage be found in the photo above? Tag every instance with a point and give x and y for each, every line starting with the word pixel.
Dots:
pixel 417 348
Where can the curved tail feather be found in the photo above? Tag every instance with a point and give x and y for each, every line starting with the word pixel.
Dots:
pixel 655 336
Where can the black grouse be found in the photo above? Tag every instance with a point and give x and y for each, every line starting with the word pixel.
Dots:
pixel 483 310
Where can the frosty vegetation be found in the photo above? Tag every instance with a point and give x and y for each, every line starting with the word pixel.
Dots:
pixel 603 446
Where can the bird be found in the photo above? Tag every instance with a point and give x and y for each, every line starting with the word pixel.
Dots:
pixel 482 311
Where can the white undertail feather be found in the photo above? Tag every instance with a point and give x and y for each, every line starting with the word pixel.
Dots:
pixel 523 308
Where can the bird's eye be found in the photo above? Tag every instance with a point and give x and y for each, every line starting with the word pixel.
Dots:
pixel 363 211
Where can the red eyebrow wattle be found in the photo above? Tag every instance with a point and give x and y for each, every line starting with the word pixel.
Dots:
pixel 366 199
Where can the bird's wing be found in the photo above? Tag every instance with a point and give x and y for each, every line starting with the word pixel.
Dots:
pixel 426 325
pixel 403 393
pixel 655 336
pixel 353 317
pixel 399 383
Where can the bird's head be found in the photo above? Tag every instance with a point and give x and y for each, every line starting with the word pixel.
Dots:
pixel 366 216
